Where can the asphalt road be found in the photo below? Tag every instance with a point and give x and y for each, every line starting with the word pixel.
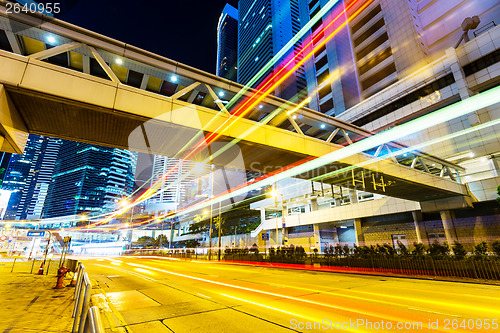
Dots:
pixel 166 295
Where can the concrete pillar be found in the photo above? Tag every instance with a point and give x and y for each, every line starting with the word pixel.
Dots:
pixel 317 238
pixel 419 228
pixel 450 233
pixel 262 215
pixel 494 166
pixel 314 205
pixel 464 91
pixel 353 196
pixel 360 239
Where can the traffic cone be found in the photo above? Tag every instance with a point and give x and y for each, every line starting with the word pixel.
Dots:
pixel 40 270
pixel 73 280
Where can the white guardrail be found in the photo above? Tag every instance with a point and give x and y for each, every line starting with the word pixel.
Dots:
pixel 87 319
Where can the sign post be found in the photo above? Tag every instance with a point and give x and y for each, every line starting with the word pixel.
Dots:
pixel 46 251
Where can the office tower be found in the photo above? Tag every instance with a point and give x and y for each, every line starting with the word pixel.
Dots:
pixel 4 164
pixel 227 43
pixel 382 41
pixel 177 179
pixel 89 179
pixel 28 177
pixel 265 27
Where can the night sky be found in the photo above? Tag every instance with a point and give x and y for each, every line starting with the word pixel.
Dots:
pixel 182 30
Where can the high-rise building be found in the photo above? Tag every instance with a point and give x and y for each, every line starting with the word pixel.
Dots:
pixel 28 177
pixel 264 28
pixel 177 177
pixel 89 178
pixel 227 43
pixel 381 42
pixel 392 62
pixel 4 164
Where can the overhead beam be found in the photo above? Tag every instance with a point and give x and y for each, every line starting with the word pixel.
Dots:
pixel 14 42
pixel 55 51
pixel 216 99
pixel 13 131
pixel 104 65
pixel 185 90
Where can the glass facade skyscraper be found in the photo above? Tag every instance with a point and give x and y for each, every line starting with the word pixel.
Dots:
pixel 89 178
pixel 227 43
pixel 28 177
pixel 265 27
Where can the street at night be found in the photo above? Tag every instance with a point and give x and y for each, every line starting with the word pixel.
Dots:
pixel 249 166
pixel 165 295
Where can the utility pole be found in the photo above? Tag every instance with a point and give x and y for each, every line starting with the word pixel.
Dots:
pixel 210 231
pixel 220 226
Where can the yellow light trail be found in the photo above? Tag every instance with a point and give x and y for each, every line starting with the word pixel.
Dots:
pixel 336 307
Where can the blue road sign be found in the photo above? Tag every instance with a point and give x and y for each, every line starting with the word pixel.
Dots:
pixel 265 236
pixel 36 233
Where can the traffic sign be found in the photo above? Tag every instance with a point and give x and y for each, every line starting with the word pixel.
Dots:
pixel 35 233
pixel 265 236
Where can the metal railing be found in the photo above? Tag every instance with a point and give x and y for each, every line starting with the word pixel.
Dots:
pixel 86 318
pixel 425 266
pixel 484 28
pixel 23 265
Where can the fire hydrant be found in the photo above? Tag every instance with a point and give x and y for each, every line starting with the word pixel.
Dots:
pixel 61 272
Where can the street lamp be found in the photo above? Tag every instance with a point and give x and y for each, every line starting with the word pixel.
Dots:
pixel 124 203
pixel 83 217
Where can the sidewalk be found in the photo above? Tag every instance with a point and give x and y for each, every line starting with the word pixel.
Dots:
pixel 29 304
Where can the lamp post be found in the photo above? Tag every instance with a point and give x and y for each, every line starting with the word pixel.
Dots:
pixel 124 203
pixel 220 226
pixel 211 203
pixel 83 217
pixel 161 234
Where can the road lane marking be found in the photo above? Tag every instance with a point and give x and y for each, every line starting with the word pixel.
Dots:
pixel 439 313
pixel 376 315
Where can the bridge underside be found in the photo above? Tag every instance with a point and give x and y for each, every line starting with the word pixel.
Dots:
pixel 59 117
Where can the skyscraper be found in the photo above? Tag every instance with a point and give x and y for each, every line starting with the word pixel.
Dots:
pixel 89 178
pixel 265 27
pixel 227 43
pixel 377 43
pixel 177 177
pixel 28 177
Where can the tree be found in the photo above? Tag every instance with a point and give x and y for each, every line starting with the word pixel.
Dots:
pixel 145 241
pixel 496 247
pixel 161 241
pixel 498 192
pixel 481 249
pixel 459 250
pixel 419 249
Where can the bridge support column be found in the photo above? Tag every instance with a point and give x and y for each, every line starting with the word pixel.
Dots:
pixel 477 117
pixel 262 215
pixel 353 196
pixel 447 217
pixel 314 205
pixel 13 132
pixel 360 239
pixel 417 221
pixel 317 237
